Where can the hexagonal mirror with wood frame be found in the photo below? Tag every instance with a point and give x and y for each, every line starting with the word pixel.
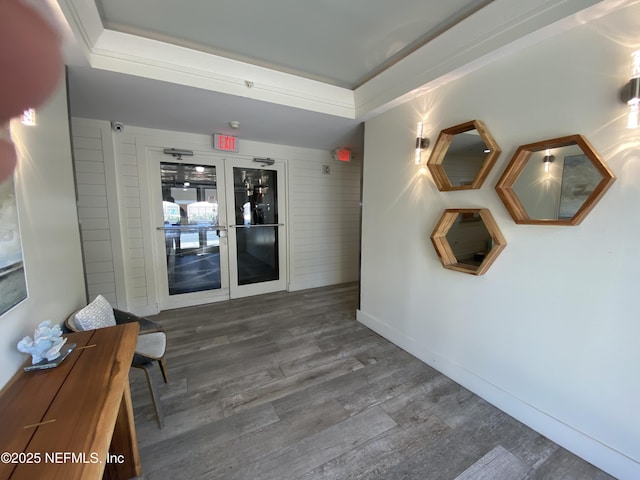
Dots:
pixel 467 240
pixel 463 156
pixel 554 182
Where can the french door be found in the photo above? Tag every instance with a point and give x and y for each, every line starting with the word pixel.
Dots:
pixel 219 232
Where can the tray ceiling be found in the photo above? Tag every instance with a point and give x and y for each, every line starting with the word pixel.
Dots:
pixel 344 43
pixel 292 72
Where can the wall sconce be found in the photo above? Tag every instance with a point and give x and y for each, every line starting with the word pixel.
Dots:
pixel 630 93
pixel 421 144
pixel 547 159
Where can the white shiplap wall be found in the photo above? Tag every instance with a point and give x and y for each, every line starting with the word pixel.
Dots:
pixel 128 174
pixel 93 210
pixel 323 210
pixel 325 222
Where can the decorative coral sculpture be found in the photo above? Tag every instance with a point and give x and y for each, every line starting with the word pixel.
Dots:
pixel 47 342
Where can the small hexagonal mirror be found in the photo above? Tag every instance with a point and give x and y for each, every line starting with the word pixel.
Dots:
pixel 467 240
pixel 463 156
pixel 554 182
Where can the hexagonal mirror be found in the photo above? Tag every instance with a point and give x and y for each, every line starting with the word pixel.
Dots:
pixel 463 156
pixel 554 182
pixel 467 240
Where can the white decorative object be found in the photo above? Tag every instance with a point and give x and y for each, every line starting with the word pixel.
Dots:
pixel 47 342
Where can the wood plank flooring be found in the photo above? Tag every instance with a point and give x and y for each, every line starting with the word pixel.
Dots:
pixel 290 386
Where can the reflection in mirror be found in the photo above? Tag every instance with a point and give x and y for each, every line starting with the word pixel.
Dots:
pixel 467 240
pixel 463 156
pixel 556 182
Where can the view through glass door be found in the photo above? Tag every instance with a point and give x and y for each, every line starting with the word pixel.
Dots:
pixel 257 242
pixel 191 246
pixel 200 259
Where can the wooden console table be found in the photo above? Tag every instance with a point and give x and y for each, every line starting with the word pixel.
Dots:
pixel 74 421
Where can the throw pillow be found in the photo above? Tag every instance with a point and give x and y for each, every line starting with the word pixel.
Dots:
pixel 98 314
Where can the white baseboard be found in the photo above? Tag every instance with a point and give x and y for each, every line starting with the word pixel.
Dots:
pixel 591 449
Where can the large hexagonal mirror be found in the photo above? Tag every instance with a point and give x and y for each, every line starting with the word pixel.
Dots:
pixel 554 182
pixel 467 240
pixel 463 156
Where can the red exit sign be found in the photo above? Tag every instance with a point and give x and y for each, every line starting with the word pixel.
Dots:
pixel 342 154
pixel 226 143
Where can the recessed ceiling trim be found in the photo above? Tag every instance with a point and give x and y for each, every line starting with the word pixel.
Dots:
pixel 472 43
pixel 424 39
pixel 125 53
pixel 131 54
pixel 500 27
pixel 84 20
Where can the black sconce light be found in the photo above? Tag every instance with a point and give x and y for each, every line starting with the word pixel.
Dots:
pixel 630 93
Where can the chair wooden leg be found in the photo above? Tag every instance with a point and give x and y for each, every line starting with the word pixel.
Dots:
pixel 155 399
pixel 163 369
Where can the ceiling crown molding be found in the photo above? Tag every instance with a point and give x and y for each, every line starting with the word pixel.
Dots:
pixel 84 20
pixel 501 27
pixel 495 30
pixel 130 54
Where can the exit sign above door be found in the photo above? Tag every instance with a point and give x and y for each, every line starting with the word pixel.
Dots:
pixel 226 143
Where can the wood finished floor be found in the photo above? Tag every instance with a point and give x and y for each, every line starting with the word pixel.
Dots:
pixel 290 386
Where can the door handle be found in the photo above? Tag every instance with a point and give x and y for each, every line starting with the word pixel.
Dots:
pixel 193 227
pixel 258 225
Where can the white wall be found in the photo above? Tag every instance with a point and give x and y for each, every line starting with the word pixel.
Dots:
pixel 323 210
pixel 49 229
pixel 550 333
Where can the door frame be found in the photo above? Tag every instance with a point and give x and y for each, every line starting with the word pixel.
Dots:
pixel 155 256
pixel 164 301
pixel 240 291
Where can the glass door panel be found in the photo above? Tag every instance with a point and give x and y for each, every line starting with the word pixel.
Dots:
pixel 198 259
pixel 257 255
pixel 256 239
pixel 255 196
pixel 190 210
pixel 194 255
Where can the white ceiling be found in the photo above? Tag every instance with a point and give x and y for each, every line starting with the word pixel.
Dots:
pixel 344 43
pixel 294 72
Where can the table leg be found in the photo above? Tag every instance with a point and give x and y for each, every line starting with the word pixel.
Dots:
pixel 124 454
